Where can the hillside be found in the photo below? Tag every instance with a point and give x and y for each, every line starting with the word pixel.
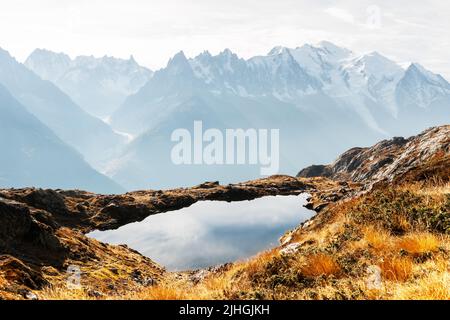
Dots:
pixel 388 159
pixel 379 233
pixel 32 155
pixel 90 136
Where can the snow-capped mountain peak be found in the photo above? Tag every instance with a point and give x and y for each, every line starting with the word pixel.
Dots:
pixel 334 50
pixel 47 64
pixel 277 50
pixel 432 78
pixel 99 85
pixel 422 87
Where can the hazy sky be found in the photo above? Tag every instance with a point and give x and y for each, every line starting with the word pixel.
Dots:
pixel 154 30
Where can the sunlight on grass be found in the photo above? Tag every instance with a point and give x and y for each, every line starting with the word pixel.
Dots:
pixel 418 243
pixel 320 264
pixel 435 286
pixel 377 238
pixel 396 268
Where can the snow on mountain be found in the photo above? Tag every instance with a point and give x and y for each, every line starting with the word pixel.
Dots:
pixel 422 87
pixel 47 64
pixel 32 155
pixel 375 77
pixel 98 85
pixel 367 83
pixel 90 136
pixel 323 98
pixel 288 75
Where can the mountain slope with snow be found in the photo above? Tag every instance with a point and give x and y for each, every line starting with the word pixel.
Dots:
pixel 98 85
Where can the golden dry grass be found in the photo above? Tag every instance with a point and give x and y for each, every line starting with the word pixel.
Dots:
pixel 418 243
pixel 433 287
pixel 377 238
pixel 160 292
pixel 256 264
pixel 320 264
pixel 63 293
pixel 396 268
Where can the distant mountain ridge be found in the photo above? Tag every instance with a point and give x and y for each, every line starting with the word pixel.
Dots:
pixel 98 85
pixel 32 155
pixel 90 136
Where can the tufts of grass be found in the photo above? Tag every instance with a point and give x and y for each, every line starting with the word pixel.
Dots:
pixel 396 268
pixel 258 265
pixel 63 293
pixel 160 292
pixel 418 243
pixel 320 264
pixel 434 286
pixel 402 210
pixel 377 238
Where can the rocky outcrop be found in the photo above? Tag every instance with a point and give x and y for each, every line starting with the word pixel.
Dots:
pixel 86 211
pixel 387 160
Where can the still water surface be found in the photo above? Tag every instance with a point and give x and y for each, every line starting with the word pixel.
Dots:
pixel 211 232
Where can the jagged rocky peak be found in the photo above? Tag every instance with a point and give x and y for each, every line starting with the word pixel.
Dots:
pixel 178 64
pixel 97 84
pixel 47 64
pixel 277 50
pixel 227 53
pixel 40 53
pixel 422 87
pixel 386 160
pixel 179 57
pixel 205 53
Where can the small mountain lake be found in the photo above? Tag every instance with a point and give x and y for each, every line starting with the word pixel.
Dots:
pixel 211 232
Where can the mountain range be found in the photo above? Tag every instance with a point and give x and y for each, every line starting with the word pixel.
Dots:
pixel 98 85
pixel 323 98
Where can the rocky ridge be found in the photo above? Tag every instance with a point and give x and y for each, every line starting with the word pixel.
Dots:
pixel 386 160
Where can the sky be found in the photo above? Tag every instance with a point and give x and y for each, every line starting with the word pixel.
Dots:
pixel 154 30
